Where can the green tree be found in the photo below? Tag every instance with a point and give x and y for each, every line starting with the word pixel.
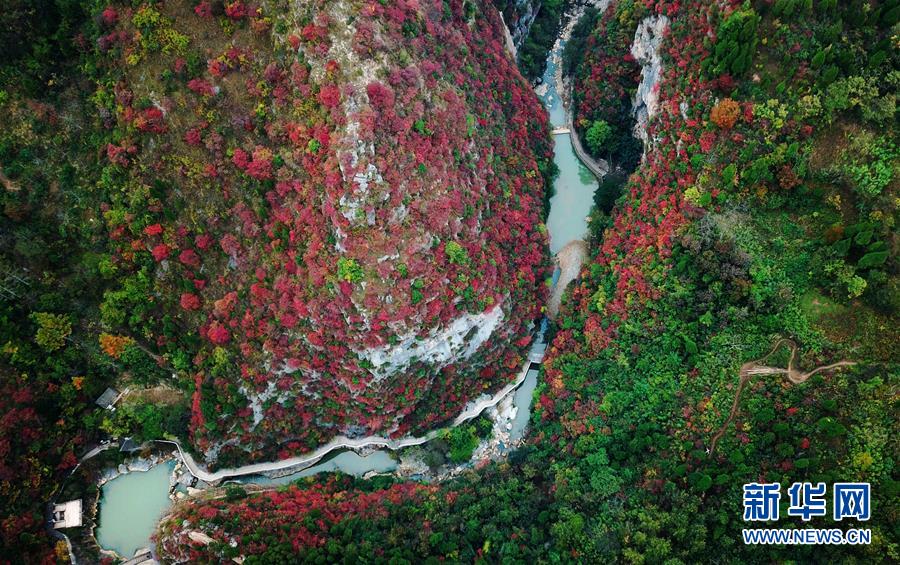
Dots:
pixel 736 41
pixel 53 329
pixel 349 270
pixel 463 442
pixel 597 136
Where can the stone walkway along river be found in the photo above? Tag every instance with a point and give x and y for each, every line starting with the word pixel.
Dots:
pixel 535 357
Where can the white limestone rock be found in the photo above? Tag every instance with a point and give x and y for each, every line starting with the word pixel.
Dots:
pixel 645 50
pixel 443 346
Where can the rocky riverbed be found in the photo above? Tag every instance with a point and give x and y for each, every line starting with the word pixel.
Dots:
pixel 569 259
pixel 413 465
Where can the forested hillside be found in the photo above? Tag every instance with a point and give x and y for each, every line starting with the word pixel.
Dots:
pixel 51 243
pixel 334 210
pixel 277 222
pixel 757 232
pixel 271 222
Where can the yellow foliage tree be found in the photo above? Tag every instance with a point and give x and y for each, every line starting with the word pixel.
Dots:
pixel 114 345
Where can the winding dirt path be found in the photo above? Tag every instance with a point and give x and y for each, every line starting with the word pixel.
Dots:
pixel 8 184
pixel 758 367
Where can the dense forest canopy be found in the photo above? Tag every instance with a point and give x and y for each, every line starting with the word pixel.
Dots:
pixel 318 199
pixel 755 215
pixel 183 213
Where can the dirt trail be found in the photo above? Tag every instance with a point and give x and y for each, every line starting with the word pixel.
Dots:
pixel 754 368
pixel 9 184
pixel 569 259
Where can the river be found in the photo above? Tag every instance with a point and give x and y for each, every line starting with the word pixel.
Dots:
pixel 133 503
pixel 573 190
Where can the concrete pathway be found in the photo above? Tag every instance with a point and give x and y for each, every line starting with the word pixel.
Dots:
pixel 472 410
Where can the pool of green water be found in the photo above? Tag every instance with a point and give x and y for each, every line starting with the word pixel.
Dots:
pixel 130 507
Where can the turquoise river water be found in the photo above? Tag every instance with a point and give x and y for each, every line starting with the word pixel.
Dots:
pixel 130 507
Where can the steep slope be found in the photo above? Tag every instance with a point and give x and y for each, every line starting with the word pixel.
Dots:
pixel 518 15
pixel 333 209
pixel 750 260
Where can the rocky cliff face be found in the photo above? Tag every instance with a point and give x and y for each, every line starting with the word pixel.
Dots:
pixel 518 15
pixel 645 50
pixel 336 203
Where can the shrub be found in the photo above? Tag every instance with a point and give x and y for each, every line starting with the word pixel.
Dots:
pixel 787 8
pixel 190 301
pixel 349 270
pixel 871 179
pixel 855 92
pixel 818 59
pixel 692 195
pixel 846 277
pixel 456 253
pixel 872 259
pixel 809 106
pixel 234 492
pixel 114 345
